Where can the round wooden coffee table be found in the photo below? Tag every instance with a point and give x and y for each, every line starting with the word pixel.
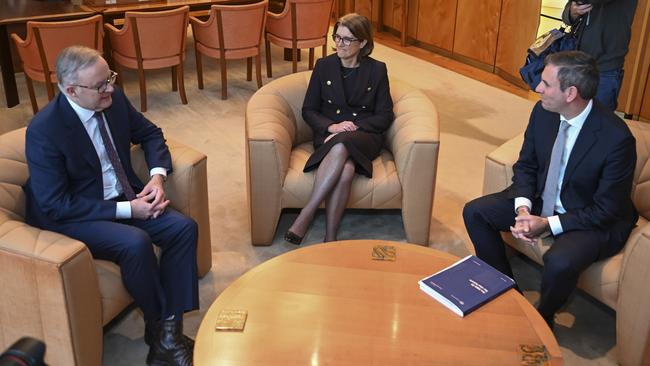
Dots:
pixel 331 304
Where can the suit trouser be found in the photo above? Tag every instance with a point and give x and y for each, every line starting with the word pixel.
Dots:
pixel 571 253
pixel 159 289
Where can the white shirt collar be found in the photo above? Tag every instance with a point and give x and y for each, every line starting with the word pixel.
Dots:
pixel 85 115
pixel 580 119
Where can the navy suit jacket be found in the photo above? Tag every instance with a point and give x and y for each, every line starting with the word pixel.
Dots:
pixel 65 178
pixel 597 183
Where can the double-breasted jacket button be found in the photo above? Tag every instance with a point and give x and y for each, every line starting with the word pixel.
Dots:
pixel 354 114
pixel 329 101
pixel 369 88
pixel 363 106
pixel 338 111
pixel 330 83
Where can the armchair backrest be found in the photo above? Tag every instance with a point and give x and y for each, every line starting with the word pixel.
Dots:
pixel 152 36
pixel 236 26
pixel 641 183
pixel 45 40
pixel 309 18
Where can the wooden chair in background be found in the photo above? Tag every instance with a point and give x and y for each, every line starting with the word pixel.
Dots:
pixel 231 32
pixel 44 40
pixel 151 40
pixel 302 24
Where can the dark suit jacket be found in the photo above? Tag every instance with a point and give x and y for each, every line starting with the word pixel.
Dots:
pixel 65 178
pixel 597 184
pixel 370 107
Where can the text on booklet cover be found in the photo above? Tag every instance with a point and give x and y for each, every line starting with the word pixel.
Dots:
pixel 466 285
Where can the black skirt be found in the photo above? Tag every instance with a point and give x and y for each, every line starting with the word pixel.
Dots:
pixel 363 148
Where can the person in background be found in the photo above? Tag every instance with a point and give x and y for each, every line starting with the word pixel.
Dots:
pixel 573 180
pixel 605 27
pixel 82 184
pixel 348 106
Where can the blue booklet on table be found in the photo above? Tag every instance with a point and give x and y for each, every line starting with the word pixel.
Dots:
pixel 466 285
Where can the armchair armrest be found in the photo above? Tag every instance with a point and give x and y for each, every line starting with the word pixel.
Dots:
pixel 498 165
pixel 414 140
pixel 632 315
pixel 203 29
pixel 270 132
pixel 49 291
pixel 119 39
pixel 279 24
pixel 187 189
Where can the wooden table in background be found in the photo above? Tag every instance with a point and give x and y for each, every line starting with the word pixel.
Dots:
pixel 114 11
pixel 19 12
pixel 331 304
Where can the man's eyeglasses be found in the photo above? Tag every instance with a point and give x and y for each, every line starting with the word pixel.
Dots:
pixel 103 86
pixel 345 40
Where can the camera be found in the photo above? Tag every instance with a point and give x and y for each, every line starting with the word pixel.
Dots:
pixel 25 352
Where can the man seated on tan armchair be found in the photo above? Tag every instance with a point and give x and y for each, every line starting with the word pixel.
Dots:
pixel 82 185
pixel 573 180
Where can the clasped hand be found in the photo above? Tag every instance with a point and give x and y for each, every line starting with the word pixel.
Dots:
pixel 336 128
pixel 529 228
pixel 151 201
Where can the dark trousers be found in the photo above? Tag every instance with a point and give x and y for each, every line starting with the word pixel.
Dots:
pixel 609 86
pixel 159 289
pixel 571 253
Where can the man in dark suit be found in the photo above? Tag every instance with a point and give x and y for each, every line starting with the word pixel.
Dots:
pixel 573 180
pixel 82 185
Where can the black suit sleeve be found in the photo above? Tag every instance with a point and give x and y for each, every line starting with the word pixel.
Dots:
pixel 146 134
pixel 51 184
pixel 383 115
pixel 311 107
pixel 613 191
pixel 524 180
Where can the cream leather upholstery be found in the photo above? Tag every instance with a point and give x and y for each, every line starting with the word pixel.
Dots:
pixel 52 289
pixel 620 282
pixel 279 144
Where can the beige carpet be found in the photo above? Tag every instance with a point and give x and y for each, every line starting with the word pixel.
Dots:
pixel 475 119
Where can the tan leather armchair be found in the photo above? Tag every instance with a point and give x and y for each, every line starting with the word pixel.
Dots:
pixel 52 289
pixel 620 282
pixel 279 143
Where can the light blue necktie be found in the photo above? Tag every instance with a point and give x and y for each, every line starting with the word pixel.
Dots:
pixel 551 188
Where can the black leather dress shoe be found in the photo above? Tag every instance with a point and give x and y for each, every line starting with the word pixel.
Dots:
pixel 169 348
pixel 292 238
pixel 151 332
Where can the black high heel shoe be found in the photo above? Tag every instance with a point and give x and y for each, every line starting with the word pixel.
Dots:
pixel 292 238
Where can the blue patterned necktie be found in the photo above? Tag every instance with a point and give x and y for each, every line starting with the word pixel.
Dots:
pixel 115 160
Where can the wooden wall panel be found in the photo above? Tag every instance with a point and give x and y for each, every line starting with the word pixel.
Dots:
pixel 517 30
pixel 364 7
pixel 388 16
pixel 393 13
pixel 435 23
pixel 477 24
pixel 413 12
pixel 637 63
pixel 645 105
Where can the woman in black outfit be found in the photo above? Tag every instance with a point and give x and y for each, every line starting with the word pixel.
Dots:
pixel 348 107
